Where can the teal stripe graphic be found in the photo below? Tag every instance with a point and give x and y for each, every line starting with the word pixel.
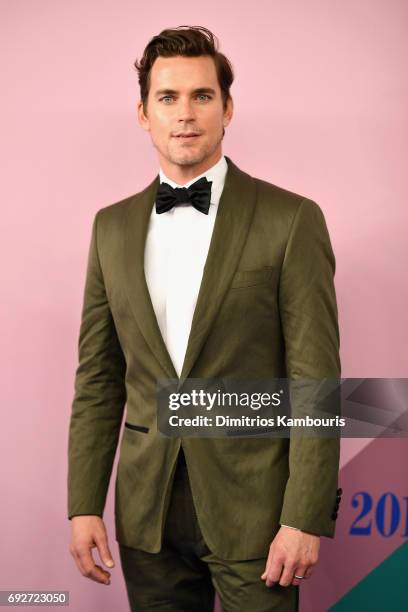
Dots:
pixel 385 588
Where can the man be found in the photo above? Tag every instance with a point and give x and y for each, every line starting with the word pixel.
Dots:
pixel 208 272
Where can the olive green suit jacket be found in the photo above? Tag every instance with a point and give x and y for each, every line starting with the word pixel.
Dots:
pixel 266 309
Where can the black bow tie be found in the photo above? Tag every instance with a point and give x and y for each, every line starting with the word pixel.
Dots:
pixel 198 195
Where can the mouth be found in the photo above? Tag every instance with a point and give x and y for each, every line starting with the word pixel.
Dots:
pixel 186 136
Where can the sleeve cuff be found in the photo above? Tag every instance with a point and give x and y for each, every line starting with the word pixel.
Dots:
pixel 290 527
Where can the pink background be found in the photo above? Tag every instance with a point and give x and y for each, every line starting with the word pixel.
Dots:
pixel 320 108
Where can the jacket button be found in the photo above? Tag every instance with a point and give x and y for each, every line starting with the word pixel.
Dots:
pixel 339 491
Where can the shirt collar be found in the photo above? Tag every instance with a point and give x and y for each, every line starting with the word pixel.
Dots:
pixel 216 174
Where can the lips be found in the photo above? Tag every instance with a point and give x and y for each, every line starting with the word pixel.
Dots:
pixel 186 135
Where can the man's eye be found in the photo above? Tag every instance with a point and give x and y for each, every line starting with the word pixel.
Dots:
pixel 205 96
pixel 166 98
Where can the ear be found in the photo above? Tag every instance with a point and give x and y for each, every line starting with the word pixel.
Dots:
pixel 228 112
pixel 143 120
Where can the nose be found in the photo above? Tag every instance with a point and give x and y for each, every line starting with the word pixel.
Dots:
pixel 185 110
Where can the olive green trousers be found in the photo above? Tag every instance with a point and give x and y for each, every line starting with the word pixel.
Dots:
pixel 185 574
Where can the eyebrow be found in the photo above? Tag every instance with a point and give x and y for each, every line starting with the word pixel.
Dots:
pixel 199 90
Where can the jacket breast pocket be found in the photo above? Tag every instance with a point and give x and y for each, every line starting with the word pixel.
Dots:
pixel 252 278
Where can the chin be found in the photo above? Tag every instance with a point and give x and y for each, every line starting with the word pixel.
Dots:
pixel 189 159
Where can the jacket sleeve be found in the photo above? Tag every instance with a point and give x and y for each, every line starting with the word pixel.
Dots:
pixel 308 310
pixel 100 396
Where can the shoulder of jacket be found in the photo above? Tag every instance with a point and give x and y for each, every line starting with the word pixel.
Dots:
pixel 272 194
pixel 117 208
pixel 283 200
pixel 114 212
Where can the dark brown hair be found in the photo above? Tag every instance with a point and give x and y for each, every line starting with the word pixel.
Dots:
pixel 187 41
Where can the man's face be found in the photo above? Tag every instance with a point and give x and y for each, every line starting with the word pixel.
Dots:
pixel 185 114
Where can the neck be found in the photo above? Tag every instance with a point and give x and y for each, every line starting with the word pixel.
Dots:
pixel 183 174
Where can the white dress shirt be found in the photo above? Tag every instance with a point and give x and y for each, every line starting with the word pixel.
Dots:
pixel 176 250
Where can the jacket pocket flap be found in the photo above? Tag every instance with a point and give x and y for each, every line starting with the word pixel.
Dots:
pixel 141 428
pixel 249 278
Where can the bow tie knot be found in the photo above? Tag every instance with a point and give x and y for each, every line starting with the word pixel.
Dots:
pixel 182 195
pixel 198 195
